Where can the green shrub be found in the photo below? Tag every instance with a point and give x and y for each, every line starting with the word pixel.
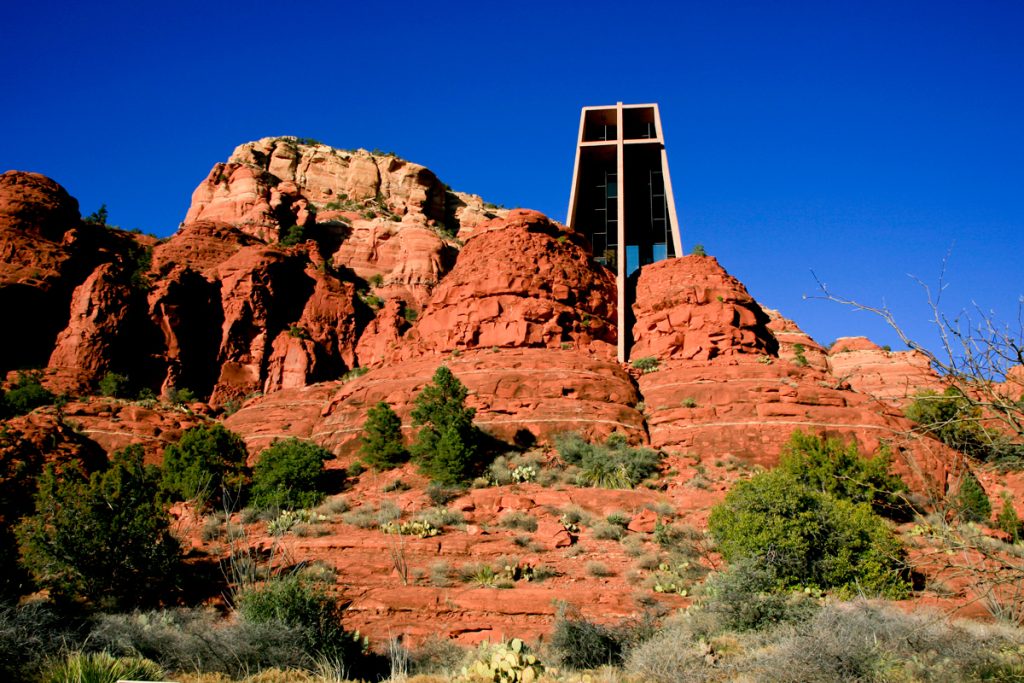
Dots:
pixel 288 475
pixel 743 598
pixel 200 641
pixel 1008 520
pixel 578 643
pixel 100 667
pixel 646 364
pixel 445 446
pixel 829 466
pixel 956 421
pixel 26 395
pixel 808 538
pixel 518 519
pixel 180 397
pixel 294 601
pixel 698 250
pixel 613 464
pixel 105 539
pixel 206 465
pixel 798 356
pixel 295 234
pixel 382 446
pixel 971 503
pixel 114 385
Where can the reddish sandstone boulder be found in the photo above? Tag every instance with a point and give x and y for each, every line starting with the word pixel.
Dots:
pixel 107 330
pixel 519 282
pixel 383 334
pixel 892 377
pixel 795 345
pixel 689 308
pixel 409 257
pixel 201 246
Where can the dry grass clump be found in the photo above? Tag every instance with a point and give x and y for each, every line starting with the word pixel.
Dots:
pixel 843 641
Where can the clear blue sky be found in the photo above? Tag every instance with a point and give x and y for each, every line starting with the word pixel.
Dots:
pixel 860 140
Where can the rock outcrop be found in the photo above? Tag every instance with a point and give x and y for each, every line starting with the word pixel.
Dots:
pixel 519 282
pixel 892 377
pixel 691 309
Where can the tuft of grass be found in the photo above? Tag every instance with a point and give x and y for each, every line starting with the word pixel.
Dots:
pixel 518 519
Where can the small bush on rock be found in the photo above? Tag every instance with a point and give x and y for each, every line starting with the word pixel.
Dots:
pixel 382 446
pixel 971 503
pixel 613 464
pixel 296 602
pixel 289 475
pixel 207 466
pixel 26 395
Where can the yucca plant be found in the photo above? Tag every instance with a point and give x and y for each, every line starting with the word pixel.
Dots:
pixel 100 667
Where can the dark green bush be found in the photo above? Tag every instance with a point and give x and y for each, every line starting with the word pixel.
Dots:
pixel 27 394
pixel 446 445
pixel 971 503
pixel 955 420
pixel 296 602
pixel 698 250
pixel 180 397
pixel 578 643
pixel 295 234
pixel 808 538
pixel 289 475
pixel 1008 520
pixel 106 539
pixel 613 464
pixel 201 641
pixel 829 466
pixel 206 466
pixel 382 445
pixel 114 385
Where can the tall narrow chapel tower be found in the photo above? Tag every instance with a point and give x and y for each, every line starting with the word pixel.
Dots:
pixel 621 196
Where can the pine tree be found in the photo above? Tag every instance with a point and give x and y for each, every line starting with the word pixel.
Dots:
pixel 382 446
pixel 1008 520
pixel 445 447
pixel 972 505
pixel 105 539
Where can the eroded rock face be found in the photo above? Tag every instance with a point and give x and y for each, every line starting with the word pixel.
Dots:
pixel 45 253
pixel 520 395
pixel 892 377
pixel 689 308
pixel 795 345
pixel 265 293
pixel 519 282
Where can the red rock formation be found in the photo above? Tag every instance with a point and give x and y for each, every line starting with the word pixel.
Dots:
pixel 519 282
pixel 689 308
pixel 201 246
pixel 99 310
pixel 794 343
pixel 409 257
pixel 892 377
pixel 516 393
pixel 382 336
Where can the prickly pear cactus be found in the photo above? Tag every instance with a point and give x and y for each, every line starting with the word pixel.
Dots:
pixel 510 662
